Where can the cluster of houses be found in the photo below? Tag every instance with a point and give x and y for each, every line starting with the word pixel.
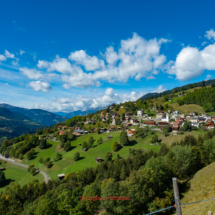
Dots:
pixel 177 120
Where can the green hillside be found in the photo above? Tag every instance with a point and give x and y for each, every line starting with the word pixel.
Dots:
pixel 202 187
pixel 67 164
pixel 36 115
pixel 18 174
pixel 13 124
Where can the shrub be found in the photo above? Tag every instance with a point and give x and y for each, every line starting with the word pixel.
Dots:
pixel 76 156
pixel 114 146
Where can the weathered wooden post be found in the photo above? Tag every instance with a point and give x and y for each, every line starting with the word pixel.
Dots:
pixel 210 213
pixel 176 195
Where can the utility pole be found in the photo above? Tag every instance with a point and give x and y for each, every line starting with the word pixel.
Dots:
pixel 176 195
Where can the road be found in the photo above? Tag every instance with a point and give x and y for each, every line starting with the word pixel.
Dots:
pixel 23 165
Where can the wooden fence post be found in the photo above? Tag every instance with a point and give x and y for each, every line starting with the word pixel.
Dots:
pixel 176 195
pixel 210 213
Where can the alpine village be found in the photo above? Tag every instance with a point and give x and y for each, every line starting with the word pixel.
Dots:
pixel 128 150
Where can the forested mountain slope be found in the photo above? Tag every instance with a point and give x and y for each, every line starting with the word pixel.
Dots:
pixel 14 124
pixel 37 115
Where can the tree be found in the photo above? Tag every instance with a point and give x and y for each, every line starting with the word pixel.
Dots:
pixel 90 141
pixel 154 139
pixel 100 140
pixel 203 84
pixel 76 156
pixel 33 171
pixel 67 146
pixel 48 164
pixel 2 177
pixel 165 99
pixel 114 146
pixel 123 116
pixel 58 156
pixel 187 126
pixel 41 160
pixel 208 107
pixel 29 155
pixel 84 145
pixel 108 156
pixel 124 138
pixel 43 143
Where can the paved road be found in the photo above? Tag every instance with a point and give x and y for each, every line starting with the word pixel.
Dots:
pixel 23 165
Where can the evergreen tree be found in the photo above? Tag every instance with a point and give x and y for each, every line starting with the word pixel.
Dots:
pixel 90 141
pixel 67 146
pixel 76 156
pixel 114 146
pixel 124 138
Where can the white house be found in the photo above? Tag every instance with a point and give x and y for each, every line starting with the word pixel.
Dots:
pixel 176 112
pixel 140 113
pixel 166 119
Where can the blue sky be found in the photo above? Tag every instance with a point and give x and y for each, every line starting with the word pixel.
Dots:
pixel 71 55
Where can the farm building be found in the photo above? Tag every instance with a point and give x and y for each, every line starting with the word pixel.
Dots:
pixel 61 176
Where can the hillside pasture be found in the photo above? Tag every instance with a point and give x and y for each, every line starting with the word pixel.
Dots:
pixel 202 187
pixel 87 159
pixel 18 174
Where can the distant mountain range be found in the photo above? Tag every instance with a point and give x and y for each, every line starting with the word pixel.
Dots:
pixel 39 116
pixel 13 124
pixel 79 112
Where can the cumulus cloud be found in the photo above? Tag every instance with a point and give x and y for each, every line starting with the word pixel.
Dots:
pixel 150 77
pixel 61 65
pixel 3 58
pixel 31 73
pixel 21 52
pixel 160 89
pixel 15 63
pixel 191 62
pixel 40 86
pixel 83 102
pixel 210 34
pixel 90 63
pixel 136 58
pixel 8 54
pixel 208 77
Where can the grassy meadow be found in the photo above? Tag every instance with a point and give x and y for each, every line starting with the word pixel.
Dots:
pixel 18 174
pixel 87 159
pixel 202 187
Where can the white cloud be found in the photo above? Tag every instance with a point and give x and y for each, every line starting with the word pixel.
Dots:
pixel 210 34
pixel 2 58
pixel 208 77
pixel 21 52
pixel 8 54
pixel 191 62
pixel 61 65
pixel 83 102
pixel 160 89
pixel 32 73
pixel 204 43
pixel 40 86
pixel 90 63
pixel 15 63
pixel 6 84
pixel 150 77
pixel 136 58
pixel 111 55
pixel 67 86
pixel 170 76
